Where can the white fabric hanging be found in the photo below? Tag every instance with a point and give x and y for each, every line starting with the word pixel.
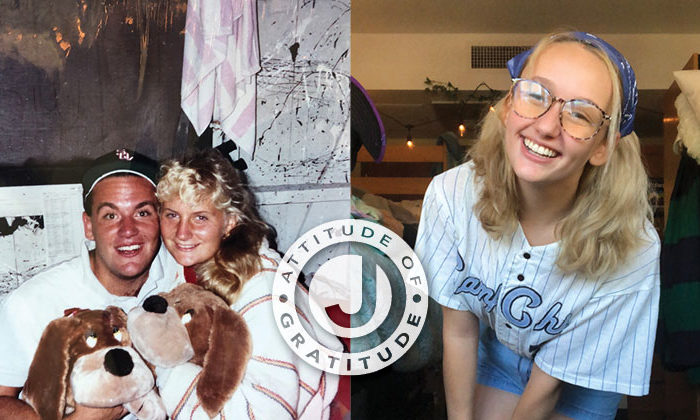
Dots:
pixel 221 59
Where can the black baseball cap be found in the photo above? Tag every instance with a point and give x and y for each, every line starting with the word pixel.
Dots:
pixel 120 161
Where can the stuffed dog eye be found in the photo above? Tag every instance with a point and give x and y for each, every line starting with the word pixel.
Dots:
pixel 187 316
pixel 91 340
pixel 116 332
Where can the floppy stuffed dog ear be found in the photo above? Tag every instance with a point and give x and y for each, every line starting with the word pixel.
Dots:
pixel 216 338
pixel 225 362
pixel 87 359
pixel 47 381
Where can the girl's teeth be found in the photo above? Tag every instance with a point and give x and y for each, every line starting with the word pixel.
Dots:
pixel 540 150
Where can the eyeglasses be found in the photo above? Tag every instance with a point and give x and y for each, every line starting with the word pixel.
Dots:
pixel 579 118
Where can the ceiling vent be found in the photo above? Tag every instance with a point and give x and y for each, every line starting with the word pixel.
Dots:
pixel 494 56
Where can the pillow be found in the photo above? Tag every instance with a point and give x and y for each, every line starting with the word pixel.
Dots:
pixel 689 82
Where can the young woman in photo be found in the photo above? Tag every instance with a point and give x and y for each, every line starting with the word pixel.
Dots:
pixel 540 248
pixel 209 223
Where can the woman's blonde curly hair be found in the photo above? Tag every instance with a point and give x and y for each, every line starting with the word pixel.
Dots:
pixel 610 209
pixel 208 176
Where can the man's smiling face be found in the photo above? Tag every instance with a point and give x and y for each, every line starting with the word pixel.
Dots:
pixel 124 226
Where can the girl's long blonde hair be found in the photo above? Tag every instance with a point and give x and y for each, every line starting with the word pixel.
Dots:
pixel 209 176
pixel 610 209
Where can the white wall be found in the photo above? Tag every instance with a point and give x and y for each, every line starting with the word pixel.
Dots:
pixel 403 61
pixel 302 157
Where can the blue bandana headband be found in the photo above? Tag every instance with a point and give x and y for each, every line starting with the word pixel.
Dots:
pixel 629 83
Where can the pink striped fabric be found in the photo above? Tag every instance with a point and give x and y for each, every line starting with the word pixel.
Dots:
pixel 221 59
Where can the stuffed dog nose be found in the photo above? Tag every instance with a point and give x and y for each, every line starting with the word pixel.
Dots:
pixel 118 362
pixel 156 304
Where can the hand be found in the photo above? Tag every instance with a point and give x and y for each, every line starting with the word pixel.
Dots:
pixel 89 413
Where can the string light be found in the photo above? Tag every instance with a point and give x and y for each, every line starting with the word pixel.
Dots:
pixel 462 128
pixel 409 137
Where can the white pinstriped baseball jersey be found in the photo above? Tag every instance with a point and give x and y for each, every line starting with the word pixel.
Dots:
pixel 593 332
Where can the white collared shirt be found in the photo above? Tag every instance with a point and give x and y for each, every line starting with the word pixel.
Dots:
pixel 70 284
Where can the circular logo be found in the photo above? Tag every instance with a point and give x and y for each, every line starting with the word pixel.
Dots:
pixel 339 281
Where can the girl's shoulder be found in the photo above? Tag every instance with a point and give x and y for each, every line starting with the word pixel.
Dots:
pixel 453 185
pixel 259 287
pixel 640 271
pixel 269 258
pixel 457 175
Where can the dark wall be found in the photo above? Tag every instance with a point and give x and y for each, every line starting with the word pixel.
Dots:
pixel 61 105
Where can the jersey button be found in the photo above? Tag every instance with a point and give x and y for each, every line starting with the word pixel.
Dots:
pixel 526 255
pixel 521 277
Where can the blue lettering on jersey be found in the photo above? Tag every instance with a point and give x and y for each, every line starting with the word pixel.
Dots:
pixel 474 286
pixel 461 266
pixel 550 320
pixel 549 323
pixel 534 349
pixel 507 305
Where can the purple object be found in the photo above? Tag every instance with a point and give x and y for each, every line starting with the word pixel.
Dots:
pixel 365 124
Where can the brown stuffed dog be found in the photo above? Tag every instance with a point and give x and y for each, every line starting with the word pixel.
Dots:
pixel 86 358
pixel 192 323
